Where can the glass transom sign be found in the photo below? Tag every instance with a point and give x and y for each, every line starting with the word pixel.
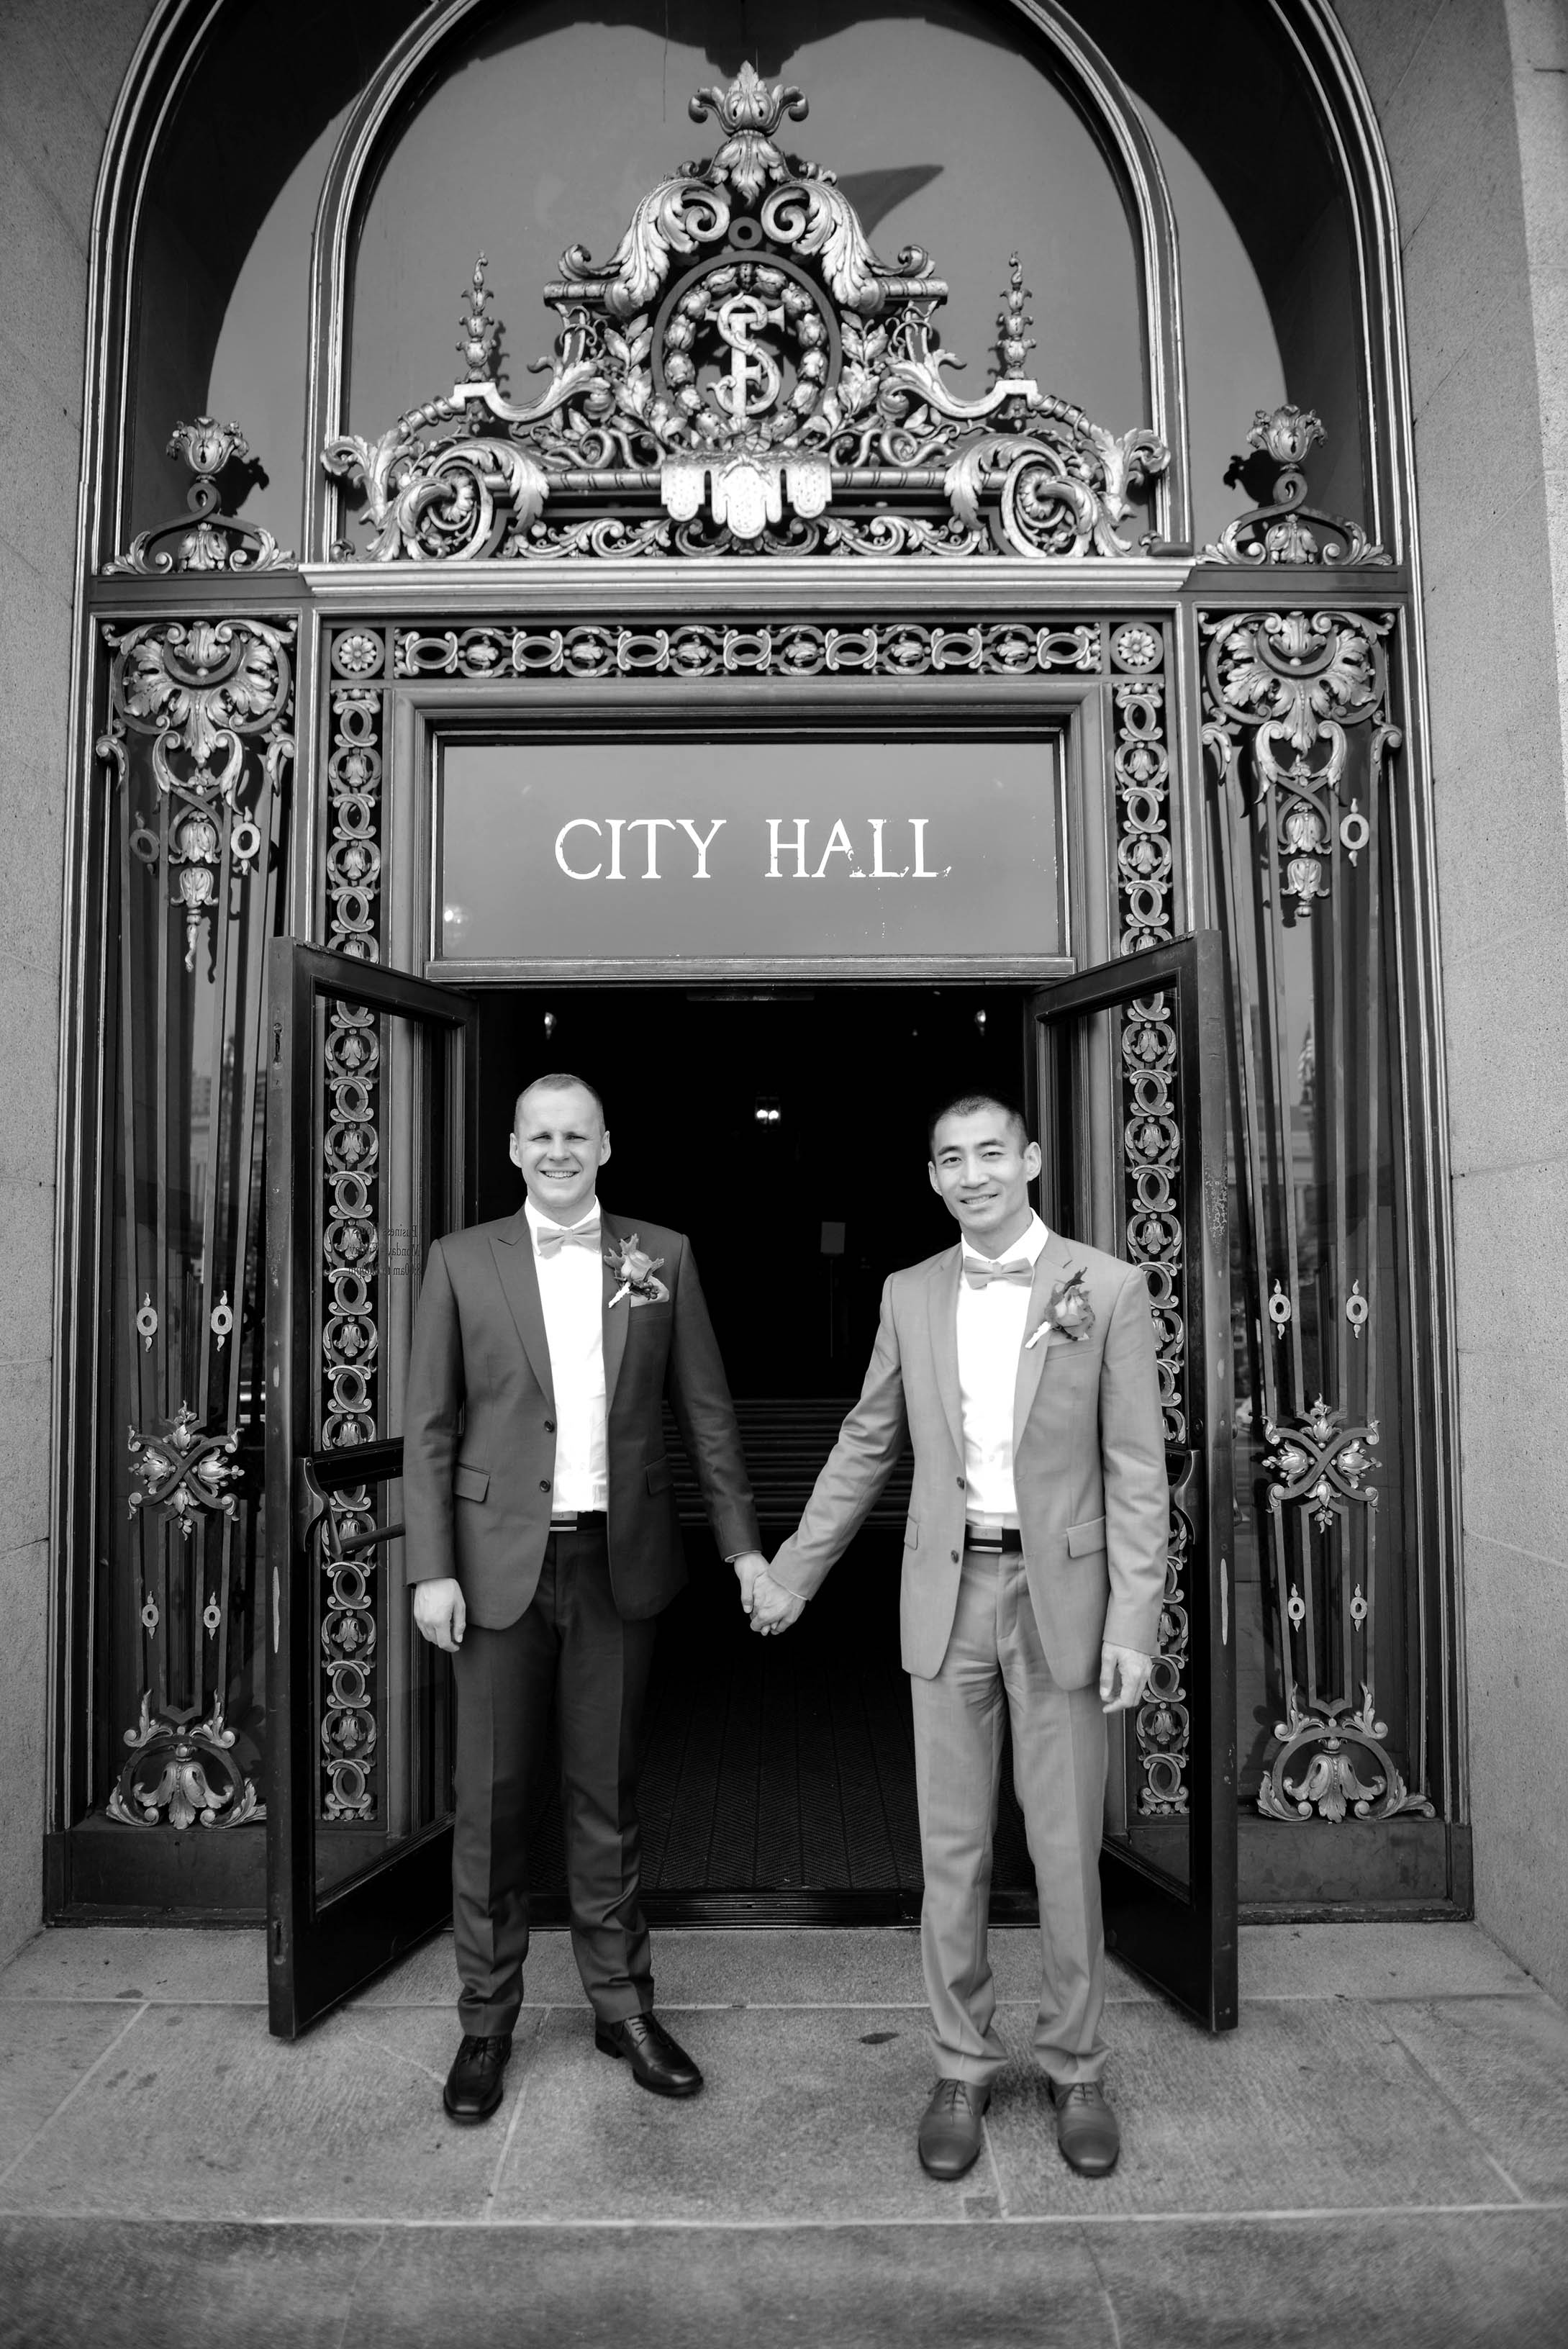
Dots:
pixel 791 852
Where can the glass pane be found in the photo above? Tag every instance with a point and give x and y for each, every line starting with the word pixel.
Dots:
pixel 1329 1719
pixel 200 830
pixel 221 296
pixel 690 850
pixel 1261 215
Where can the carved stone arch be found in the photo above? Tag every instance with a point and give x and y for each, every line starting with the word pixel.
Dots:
pixel 1088 79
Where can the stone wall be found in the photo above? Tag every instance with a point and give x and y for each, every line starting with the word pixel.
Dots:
pixel 61 66
pixel 1472 96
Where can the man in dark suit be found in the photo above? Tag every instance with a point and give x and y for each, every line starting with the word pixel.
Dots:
pixel 542 1545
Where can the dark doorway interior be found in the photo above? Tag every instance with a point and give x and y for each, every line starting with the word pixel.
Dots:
pixel 783 1129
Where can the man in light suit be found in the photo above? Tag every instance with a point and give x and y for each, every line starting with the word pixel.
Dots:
pixel 542 1545
pixel 1034 1570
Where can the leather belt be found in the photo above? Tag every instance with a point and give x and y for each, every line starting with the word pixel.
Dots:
pixel 1004 1539
pixel 575 1521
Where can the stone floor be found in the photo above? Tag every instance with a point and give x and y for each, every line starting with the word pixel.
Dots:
pixel 1379 2154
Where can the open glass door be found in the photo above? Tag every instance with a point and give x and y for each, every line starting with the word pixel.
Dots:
pixel 1131 1071
pixel 370 1093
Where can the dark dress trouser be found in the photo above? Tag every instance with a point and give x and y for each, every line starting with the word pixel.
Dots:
pixel 569 1645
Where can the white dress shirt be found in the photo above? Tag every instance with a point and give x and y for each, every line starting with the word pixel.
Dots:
pixel 572 1291
pixel 991 1327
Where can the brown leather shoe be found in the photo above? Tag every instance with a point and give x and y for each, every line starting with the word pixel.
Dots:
pixel 1086 2128
pixel 657 2062
pixel 476 2082
pixel 950 2127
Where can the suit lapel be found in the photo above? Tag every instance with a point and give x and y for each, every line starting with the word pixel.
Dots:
pixel 1050 1266
pixel 616 1324
pixel 513 1252
pixel 945 1340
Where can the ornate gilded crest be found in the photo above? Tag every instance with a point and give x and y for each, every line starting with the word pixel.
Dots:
pixel 744 375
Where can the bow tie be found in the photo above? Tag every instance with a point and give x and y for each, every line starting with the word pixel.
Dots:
pixel 551 1238
pixel 979 1275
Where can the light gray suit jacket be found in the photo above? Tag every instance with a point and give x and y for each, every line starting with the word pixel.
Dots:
pixel 1089 1465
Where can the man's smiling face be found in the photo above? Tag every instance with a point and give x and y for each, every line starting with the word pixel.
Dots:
pixel 559 1142
pixel 982 1165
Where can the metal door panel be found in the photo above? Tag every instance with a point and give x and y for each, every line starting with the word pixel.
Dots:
pixel 370 1094
pixel 1130 1069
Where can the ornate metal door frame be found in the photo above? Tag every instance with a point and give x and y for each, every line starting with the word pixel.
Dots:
pixel 986 547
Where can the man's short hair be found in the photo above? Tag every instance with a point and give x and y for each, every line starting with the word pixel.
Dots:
pixel 557 1082
pixel 964 1105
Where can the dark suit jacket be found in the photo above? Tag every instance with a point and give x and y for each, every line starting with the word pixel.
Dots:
pixel 479 1424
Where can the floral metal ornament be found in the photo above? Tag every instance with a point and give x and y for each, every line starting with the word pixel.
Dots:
pixel 184 1772
pixel 184 1471
pixel 744 375
pixel 1322 1465
pixel 202 689
pixel 897 648
pixel 1294 682
pixel 1283 528
pixel 205 538
pixel 1336 1741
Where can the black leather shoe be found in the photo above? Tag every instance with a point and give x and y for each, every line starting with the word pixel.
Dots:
pixel 476 2081
pixel 1087 2130
pixel 950 2128
pixel 656 2060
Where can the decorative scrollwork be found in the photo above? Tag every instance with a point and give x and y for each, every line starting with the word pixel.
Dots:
pixel 1296 681
pixel 1330 1739
pixel 1151 1163
pixel 1143 853
pixel 1283 528
pixel 897 648
pixel 186 1771
pixel 202 689
pixel 1151 1159
pixel 205 538
pixel 1165 1721
pixel 1322 1465
pixel 351 1236
pixel 348 1728
pixel 742 363
pixel 184 1471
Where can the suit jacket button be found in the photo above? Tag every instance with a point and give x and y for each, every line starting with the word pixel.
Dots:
pixel 954 1555
pixel 544 1484
pixel 961 1484
pixel 550 1427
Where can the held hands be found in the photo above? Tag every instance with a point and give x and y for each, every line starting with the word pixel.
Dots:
pixel 770 1607
pixel 1134 1668
pixel 440 1614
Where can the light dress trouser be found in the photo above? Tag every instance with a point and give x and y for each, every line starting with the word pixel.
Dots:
pixel 994 1658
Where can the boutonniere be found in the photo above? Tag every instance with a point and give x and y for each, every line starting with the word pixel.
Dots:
pixel 1067 1310
pixel 636 1271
